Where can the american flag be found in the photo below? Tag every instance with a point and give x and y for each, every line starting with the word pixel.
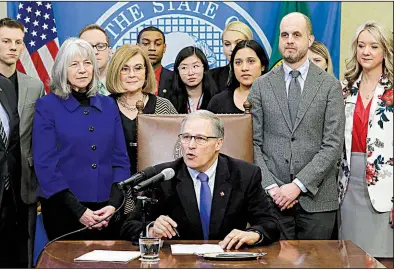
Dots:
pixel 41 40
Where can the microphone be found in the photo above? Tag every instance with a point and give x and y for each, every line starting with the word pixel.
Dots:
pixel 165 175
pixel 138 177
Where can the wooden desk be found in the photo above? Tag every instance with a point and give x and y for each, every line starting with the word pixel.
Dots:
pixel 283 254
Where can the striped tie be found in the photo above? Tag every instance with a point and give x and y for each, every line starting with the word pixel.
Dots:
pixel 4 139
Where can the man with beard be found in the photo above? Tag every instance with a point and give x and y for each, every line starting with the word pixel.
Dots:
pixel 152 41
pixel 298 132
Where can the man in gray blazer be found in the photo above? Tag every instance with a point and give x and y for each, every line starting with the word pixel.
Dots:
pixel 27 90
pixel 298 130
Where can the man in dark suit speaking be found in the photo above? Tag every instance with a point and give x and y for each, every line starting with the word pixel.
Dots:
pixel 212 196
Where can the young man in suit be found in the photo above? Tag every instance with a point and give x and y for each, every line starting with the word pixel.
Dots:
pixel 10 199
pixel 27 90
pixel 100 41
pixel 212 196
pixel 298 131
pixel 152 41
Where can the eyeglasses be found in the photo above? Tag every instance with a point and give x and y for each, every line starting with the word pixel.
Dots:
pixel 185 69
pixel 125 70
pixel 199 139
pixel 100 46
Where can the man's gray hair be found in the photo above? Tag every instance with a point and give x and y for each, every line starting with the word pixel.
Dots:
pixel 217 123
pixel 59 74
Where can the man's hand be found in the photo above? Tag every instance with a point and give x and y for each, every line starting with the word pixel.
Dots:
pixel 104 212
pixel 89 218
pixel 273 192
pixel 288 193
pixel 163 227
pixel 239 238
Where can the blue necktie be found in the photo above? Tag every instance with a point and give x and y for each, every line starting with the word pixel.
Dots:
pixel 205 204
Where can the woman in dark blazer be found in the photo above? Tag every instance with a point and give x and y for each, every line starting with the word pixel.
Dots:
pixel 192 85
pixel 234 32
pixel 79 151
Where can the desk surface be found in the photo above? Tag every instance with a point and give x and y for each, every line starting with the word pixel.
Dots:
pixel 282 254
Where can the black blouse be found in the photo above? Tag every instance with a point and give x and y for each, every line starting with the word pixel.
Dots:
pixel 223 103
pixel 130 130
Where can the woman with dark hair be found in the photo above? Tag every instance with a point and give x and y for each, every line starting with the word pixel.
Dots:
pixel 234 33
pixel 248 62
pixel 192 86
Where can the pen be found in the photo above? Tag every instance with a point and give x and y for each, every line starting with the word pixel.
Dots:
pixel 176 231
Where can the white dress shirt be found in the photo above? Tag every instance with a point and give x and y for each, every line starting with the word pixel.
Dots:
pixel 197 183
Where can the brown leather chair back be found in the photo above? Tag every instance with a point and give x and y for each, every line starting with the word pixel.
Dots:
pixel 158 142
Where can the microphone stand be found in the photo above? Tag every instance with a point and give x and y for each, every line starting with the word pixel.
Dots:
pixel 143 206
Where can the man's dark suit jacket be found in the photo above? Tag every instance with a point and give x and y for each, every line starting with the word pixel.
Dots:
pixel 238 198
pixel 10 154
pixel 165 84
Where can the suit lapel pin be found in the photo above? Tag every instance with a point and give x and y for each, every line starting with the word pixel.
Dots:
pixel 222 194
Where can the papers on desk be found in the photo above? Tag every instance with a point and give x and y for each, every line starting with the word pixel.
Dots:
pixel 108 256
pixel 195 249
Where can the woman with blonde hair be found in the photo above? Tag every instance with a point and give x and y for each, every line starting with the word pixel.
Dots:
pixel 366 182
pixel 233 33
pixel 319 54
pixel 130 78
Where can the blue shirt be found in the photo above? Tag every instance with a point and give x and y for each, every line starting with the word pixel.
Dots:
pixel 81 148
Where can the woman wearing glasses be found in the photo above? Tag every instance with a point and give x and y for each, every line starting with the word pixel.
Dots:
pixel 78 150
pixel 249 61
pixel 192 86
pixel 130 78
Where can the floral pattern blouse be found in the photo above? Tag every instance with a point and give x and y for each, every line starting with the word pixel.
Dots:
pixel 379 166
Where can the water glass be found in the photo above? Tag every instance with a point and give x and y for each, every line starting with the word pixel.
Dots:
pixel 149 248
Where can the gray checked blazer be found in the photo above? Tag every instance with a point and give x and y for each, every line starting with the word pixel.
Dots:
pixel 314 144
pixel 29 90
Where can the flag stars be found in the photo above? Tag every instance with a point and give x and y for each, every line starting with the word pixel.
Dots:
pixel 25 30
pixel 46 16
pixel 39 3
pixel 54 29
pixel 43 36
pixel 20 6
pixel 35 23
pixel 18 16
pixel 29 9
pixel 27 19
pixel 45 26
pixel 34 33
pixel 48 6
pixel 32 43
pixel 37 12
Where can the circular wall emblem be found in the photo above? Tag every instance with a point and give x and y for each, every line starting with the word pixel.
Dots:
pixel 184 24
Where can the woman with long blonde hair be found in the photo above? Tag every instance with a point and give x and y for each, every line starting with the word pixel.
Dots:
pixel 366 186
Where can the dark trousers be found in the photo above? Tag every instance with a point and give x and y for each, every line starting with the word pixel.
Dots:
pixel 9 237
pixel 297 224
pixel 58 220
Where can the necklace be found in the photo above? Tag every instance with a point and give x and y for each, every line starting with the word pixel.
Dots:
pixel 129 107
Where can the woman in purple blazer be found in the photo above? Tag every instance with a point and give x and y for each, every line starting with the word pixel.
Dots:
pixel 79 149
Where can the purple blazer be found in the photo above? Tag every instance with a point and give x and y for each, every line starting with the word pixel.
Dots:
pixel 81 148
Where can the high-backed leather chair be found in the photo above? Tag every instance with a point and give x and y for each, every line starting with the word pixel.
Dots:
pixel 158 142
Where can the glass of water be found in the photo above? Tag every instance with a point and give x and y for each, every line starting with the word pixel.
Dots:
pixel 149 248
